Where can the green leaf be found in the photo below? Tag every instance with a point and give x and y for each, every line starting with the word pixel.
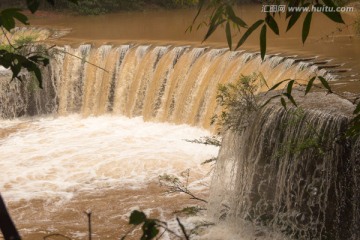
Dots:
pixel 357 109
pixel 38 75
pixel 267 101
pixel 329 3
pixel 228 35
pixel 33 5
pixel 8 16
pixel 325 84
pixel 216 20
pixel 212 28
pixel 289 86
pixel 309 85
pixel 291 3
pixel 278 84
pixel 263 41
pixel 293 19
pixel 234 18
pixel 15 69
pixel 149 230
pixel 248 32
pixel 283 103
pixel 290 97
pixel 306 26
pixel 137 217
pixel 270 21
pixel 200 6
pixel 21 17
pixel 334 16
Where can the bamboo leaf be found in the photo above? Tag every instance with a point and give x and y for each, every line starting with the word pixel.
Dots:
pixel 248 32
pixel 283 102
pixel 212 29
pixel 293 19
pixel 329 3
pixel 334 16
pixel 216 20
pixel 33 5
pixel 306 27
pixel 232 16
pixel 228 35
pixel 200 6
pixel 263 41
pixel 325 83
pixel 309 85
pixel 278 84
pixel 289 86
pixel 292 3
pixel 291 98
pixel 267 101
pixel 270 21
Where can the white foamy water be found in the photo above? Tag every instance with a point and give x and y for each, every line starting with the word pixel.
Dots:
pixel 57 157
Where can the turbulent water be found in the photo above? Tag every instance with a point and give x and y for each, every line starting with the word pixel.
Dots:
pixel 56 168
pixel 175 84
pixel 290 171
pixel 82 141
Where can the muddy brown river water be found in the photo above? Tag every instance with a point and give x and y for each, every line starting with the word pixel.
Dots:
pixel 110 164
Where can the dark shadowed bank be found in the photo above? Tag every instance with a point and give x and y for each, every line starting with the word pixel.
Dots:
pixel 89 7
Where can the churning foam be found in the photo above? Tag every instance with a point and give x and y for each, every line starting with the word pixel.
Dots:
pixel 57 157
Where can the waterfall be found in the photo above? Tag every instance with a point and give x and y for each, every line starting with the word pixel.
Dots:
pixel 290 171
pixel 175 84
pixel 287 169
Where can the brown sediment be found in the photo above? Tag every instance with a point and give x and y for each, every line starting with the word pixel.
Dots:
pixel 110 212
pixel 7 131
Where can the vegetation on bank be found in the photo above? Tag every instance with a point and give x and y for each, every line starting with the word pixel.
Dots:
pixel 95 7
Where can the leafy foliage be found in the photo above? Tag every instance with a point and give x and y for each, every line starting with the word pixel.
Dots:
pixel 353 129
pixel 222 12
pixel 96 7
pixel 239 102
pixel 12 56
pixel 151 227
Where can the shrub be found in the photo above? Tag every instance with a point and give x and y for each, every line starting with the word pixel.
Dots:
pixel 238 101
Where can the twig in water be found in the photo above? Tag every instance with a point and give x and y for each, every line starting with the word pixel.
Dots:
pixel 88 214
pixel 73 55
pixel 182 229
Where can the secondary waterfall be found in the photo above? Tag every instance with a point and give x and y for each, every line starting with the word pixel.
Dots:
pixel 289 170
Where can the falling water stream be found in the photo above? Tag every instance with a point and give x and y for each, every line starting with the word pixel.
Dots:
pixel 98 137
